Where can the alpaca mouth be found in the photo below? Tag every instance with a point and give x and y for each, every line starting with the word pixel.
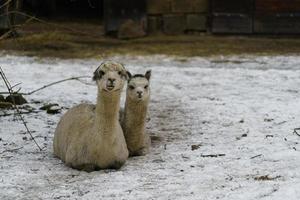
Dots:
pixel 110 87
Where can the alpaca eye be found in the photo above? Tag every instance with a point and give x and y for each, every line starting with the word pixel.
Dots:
pixel 131 87
pixel 120 73
pixel 101 72
pixel 146 86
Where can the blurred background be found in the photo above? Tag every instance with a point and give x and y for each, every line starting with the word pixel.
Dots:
pixel 89 28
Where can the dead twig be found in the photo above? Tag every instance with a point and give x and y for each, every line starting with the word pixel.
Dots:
pixel 90 4
pixel 11 150
pixel 54 83
pixel 213 155
pixel 266 178
pixel 10 90
pixel 85 83
pixel 256 156
pixel 6 34
pixel 15 85
pixel 23 113
pixel 295 131
pixel 5 4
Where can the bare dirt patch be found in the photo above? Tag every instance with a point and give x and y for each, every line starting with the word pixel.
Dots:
pixel 86 40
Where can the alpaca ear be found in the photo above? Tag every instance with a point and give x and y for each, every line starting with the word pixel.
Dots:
pixel 97 74
pixel 148 74
pixel 128 75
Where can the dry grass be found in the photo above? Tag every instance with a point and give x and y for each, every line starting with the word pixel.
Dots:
pixel 81 40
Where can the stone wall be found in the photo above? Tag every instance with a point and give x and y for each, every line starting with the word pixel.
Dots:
pixel 177 16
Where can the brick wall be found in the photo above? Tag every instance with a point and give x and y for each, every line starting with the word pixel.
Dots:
pixel 177 16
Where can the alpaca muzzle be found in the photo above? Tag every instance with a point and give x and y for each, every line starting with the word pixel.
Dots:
pixel 110 85
pixel 140 94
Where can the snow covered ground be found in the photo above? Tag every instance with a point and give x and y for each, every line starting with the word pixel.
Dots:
pixel 244 107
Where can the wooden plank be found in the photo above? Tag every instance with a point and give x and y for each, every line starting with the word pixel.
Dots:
pixel 174 24
pixel 196 22
pixel 116 12
pixel 277 16
pixel 155 7
pixel 277 24
pixel 232 6
pixel 189 6
pixel 232 23
pixel 232 16
pixel 276 6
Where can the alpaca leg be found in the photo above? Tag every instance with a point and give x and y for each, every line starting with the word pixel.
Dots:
pixel 71 157
pixel 116 164
pixel 140 152
pixel 73 160
pixel 86 167
pixel 144 149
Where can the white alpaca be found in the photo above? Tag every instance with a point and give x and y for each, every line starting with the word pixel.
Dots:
pixel 135 113
pixel 90 137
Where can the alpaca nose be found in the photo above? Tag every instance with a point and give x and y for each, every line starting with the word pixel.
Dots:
pixel 139 93
pixel 111 80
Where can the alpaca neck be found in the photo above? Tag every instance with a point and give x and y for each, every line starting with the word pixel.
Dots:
pixel 107 112
pixel 135 117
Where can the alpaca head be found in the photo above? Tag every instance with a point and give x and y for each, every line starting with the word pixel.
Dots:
pixel 138 86
pixel 110 76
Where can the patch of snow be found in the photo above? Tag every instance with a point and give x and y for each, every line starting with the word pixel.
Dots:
pixel 245 107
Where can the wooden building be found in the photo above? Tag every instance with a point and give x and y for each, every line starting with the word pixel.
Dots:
pixel 215 16
pixel 277 16
pixel 231 16
pixel 255 16
pixel 169 16
pixel 177 16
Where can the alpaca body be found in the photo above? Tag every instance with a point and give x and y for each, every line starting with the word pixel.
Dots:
pixel 90 137
pixel 134 122
pixel 135 114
